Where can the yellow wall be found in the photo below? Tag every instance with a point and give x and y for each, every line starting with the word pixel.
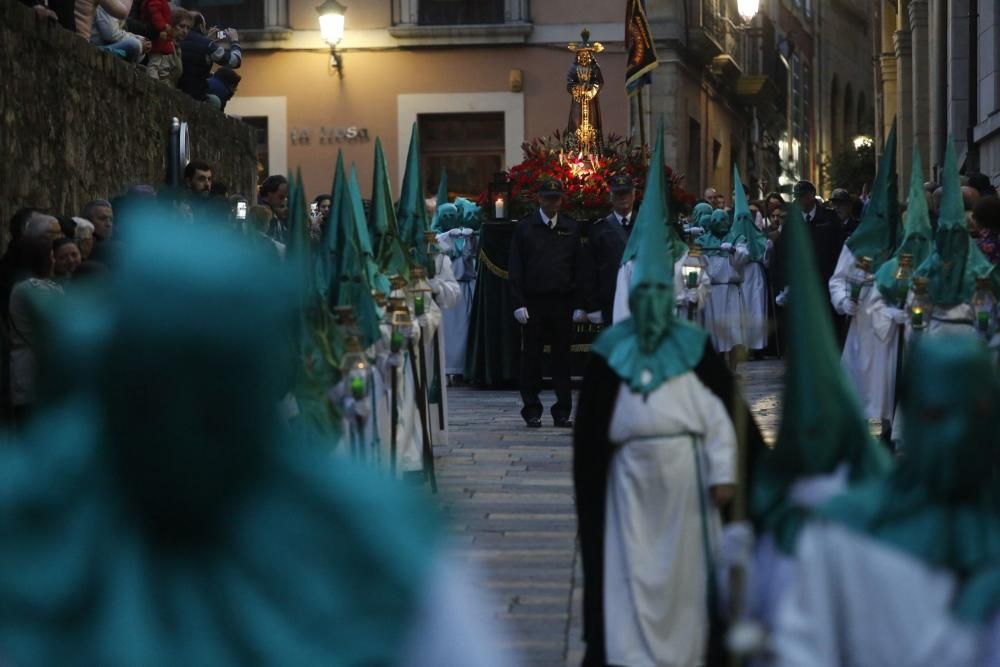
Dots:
pixel 366 96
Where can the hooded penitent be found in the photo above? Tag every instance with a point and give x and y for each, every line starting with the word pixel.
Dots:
pixel 716 230
pixel 955 260
pixel 158 513
pixel 822 426
pixel 917 239
pixel 652 346
pixel 328 261
pixel 656 186
pixel 700 213
pixel 879 232
pixel 941 503
pixel 743 229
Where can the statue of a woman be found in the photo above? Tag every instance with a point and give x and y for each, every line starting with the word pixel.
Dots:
pixel 583 83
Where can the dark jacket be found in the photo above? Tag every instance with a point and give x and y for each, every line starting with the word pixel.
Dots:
pixel 221 90
pixel 603 252
pixel 544 261
pixel 827 235
pixel 198 53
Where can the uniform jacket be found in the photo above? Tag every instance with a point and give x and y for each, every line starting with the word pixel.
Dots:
pixel 545 261
pixel 604 256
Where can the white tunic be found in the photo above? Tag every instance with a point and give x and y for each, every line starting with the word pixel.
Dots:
pixel 455 319
pixel 655 570
pixel 869 355
pixel 621 310
pixel 445 296
pixel 725 313
pixel 754 289
pixel 856 601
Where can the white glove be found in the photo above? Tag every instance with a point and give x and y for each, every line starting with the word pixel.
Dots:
pixel 595 317
pixel 726 247
pixel 435 284
pixel 521 315
pixel 782 298
pixel 455 232
pixel 697 231
pixel 467 232
pixel 579 316
pixel 395 360
pixel 691 295
pixel 848 307
pixel 414 333
pixel 897 315
pixel 422 321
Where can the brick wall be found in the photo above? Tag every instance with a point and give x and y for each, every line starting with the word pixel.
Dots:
pixel 78 124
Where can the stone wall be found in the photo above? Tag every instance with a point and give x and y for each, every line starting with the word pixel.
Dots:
pixel 78 124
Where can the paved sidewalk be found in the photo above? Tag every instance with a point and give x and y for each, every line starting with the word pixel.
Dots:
pixel 508 493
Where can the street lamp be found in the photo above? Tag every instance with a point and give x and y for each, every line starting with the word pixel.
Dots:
pixel 331 27
pixel 748 9
pixel 861 141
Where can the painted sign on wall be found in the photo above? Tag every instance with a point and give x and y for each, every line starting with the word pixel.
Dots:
pixel 329 135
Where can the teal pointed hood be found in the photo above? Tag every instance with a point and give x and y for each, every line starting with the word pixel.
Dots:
pixel 941 504
pixel 652 346
pixel 411 212
pixel 879 232
pixel 822 426
pixel 391 254
pixel 176 521
pixel 955 260
pixel 918 237
pixel 744 230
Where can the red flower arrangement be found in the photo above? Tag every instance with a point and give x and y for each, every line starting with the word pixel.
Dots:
pixel 584 177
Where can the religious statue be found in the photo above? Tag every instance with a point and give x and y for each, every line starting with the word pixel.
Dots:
pixel 584 83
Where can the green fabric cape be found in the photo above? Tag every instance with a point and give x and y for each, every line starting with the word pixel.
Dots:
pixel 941 503
pixel 327 265
pixel 156 511
pixel 412 210
pixel 917 240
pixel 822 426
pixel 743 229
pixel 955 260
pixel 682 344
pixel 879 232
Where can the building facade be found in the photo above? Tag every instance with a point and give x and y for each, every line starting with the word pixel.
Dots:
pixel 939 66
pixel 479 77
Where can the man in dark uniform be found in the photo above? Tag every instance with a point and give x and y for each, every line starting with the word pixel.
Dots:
pixel 547 298
pixel 605 248
pixel 827 235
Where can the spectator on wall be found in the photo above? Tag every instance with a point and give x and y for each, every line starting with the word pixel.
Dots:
pixel 202 48
pixel 100 213
pixel 67 259
pixel 109 32
pixel 165 63
pixel 84 237
pixel 222 86
pixel 274 193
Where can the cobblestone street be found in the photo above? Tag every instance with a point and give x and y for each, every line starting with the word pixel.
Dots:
pixel 508 492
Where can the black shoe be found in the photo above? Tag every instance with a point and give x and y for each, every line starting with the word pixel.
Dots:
pixel 563 423
pixel 533 422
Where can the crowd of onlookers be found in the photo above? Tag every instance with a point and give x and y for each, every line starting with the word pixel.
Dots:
pixel 50 256
pixel 174 45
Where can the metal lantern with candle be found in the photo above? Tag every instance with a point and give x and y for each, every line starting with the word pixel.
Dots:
pixel 859 277
pixel 433 250
pixel 399 318
pixel 692 269
pixel 903 277
pixel 397 287
pixel 420 290
pixel 985 305
pixel 920 304
pixel 500 192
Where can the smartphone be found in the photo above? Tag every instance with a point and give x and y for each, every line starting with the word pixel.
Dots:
pixel 313 208
pixel 221 35
pixel 241 210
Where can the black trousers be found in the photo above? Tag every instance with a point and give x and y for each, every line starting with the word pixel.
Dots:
pixel 550 320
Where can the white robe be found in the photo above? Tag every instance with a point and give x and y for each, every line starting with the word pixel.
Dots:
pixel 869 355
pixel 455 319
pixel 725 313
pixel 621 310
pixel 858 601
pixel 754 289
pixel 446 292
pixel 655 569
